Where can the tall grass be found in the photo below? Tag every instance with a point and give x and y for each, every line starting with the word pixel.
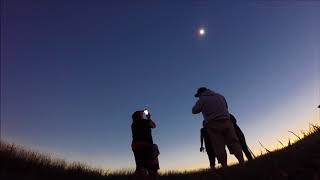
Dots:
pixel 18 161
pixel 298 160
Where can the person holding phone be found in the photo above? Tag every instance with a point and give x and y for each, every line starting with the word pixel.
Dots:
pixel 145 151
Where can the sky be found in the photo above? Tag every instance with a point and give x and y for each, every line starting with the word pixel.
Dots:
pixel 73 72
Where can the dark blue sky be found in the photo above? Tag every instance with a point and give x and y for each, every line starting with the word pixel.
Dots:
pixel 74 71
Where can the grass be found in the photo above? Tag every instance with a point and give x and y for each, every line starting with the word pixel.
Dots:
pixel 298 160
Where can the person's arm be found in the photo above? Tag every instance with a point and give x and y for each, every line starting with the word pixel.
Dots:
pixel 201 140
pixel 197 108
pixel 152 124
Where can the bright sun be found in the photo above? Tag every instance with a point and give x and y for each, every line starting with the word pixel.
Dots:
pixel 202 32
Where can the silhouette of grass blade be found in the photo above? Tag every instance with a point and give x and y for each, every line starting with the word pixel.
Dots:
pixel 264 147
pixel 295 134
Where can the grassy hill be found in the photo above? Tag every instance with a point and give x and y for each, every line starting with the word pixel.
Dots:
pixel 300 160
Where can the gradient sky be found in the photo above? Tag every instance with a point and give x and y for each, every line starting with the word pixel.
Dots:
pixel 73 72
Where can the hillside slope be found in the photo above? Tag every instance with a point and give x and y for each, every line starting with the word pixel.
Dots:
pixel 300 160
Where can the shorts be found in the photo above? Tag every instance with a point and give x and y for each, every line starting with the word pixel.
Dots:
pixel 222 133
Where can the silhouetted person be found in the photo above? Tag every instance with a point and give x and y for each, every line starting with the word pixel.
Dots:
pixel 241 137
pixel 214 109
pixel 145 152
pixel 204 137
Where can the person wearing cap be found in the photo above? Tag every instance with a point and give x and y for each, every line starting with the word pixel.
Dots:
pixel 145 151
pixel 220 129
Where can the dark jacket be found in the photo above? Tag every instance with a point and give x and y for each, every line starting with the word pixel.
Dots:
pixel 141 131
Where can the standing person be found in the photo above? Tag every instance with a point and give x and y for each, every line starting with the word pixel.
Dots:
pixel 241 138
pixel 208 147
pixel 204 137
pixel 145 152
pixel 214 109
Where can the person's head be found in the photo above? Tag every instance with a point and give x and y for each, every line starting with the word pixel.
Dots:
pixel 200 91
pixel 140 115
pixel 137 115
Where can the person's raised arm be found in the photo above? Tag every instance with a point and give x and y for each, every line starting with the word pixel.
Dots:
pixel 152 124
pixel 197 107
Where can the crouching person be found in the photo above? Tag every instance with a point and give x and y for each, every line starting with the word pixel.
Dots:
pixel 145 152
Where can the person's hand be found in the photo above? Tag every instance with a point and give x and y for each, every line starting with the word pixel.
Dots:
pixel 152 124
pixel 148 115
pixel 201 149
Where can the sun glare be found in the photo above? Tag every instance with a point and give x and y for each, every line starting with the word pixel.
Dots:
pixel 202 32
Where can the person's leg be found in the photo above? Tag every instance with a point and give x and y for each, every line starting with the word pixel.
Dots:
pixel 210 152
pixel 239 155
pixel 212 162
pixel 217 143
pixel 153 164
pixel 233 142
pixel 222 158
pixel 153 174
pixel 212 159
pixel 242 142
pixel 244 147
pixel 141 172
